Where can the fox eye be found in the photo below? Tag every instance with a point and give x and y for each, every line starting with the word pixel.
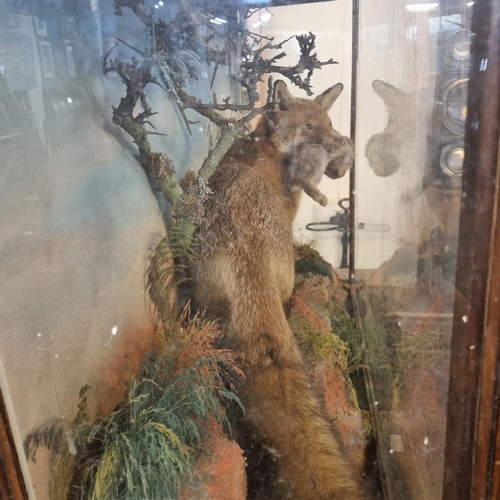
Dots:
pixel 309 126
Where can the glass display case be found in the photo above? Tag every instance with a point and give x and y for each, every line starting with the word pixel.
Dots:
pixel 413 68
pixel 152 160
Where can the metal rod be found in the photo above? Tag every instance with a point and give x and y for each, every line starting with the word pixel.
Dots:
pixel 352 171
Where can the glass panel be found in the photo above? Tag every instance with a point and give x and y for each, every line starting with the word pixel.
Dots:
pixel 90 92
pixel 414 60
pixel 169 196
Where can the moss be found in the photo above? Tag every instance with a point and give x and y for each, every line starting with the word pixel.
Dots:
pixel 425 348
pixel 303 250
pixel 347 330
pixel 381 336
pixel 309 261
pixel 320 346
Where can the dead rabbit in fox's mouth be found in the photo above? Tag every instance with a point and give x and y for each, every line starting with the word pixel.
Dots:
pixel 315 148
pixel 308 165
pixel 244 273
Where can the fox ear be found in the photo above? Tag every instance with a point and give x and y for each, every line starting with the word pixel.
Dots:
pixel 282 96
pixel 328 97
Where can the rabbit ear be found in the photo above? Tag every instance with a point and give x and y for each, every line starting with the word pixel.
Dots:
pixel 388 93
pixel 282 96
pixel 328 97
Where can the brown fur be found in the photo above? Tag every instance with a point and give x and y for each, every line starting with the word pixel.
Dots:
pixel 245 267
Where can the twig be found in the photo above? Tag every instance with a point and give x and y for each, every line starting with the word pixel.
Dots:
pixel 105 58
pixel 224 107
pixel 149 132
pixel 130 46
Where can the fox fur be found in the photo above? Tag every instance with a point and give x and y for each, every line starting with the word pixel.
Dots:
pixel 245 271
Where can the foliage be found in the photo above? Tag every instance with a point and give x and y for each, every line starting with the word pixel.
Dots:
pixel 150 442
pixel 168 270
pixel 304 249
pixel 381 335
pixel 348 331
pixel 323 346
pixel 319 346
pixel 309 261
pixel 424 348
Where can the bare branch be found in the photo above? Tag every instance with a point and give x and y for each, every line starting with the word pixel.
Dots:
pixel 137 7
pixel 149 132
pixel 174 46
pixel 224 107
pixel 270 91
pixel 213 116
pixel 105 58
pixel 130 46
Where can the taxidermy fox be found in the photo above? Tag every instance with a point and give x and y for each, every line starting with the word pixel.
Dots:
pixel 245 269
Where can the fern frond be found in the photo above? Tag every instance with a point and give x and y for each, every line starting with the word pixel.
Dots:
pixel 168 270
pixel 149 444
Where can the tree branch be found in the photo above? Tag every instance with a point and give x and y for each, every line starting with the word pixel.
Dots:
pixel 174 47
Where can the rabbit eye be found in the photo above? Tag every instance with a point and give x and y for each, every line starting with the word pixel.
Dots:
pixel 309 126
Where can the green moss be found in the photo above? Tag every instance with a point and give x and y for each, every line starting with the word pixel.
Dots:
pixel 312 266
pixel 425 348
pixel 320 346
pixel 303 250
pixel 347 330
pixel 309 261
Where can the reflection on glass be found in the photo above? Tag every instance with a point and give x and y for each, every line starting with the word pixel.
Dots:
pixel 452 159
pixel 455 101
pixel 93 101
pixel 406 277
pixel 462 44
pixel 17 64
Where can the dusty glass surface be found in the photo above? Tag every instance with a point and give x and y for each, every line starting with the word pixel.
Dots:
pixel 113 116
pixel 79 217
pixel 412 90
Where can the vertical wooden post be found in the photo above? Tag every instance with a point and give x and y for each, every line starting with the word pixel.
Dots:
pixel 11 481
pixel 473 393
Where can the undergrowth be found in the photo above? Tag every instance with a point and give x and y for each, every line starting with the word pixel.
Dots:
pixel 320 346
pixel 424 349
pixel 324 346
pixel 347 330
pixel 309 261
pixel 148 445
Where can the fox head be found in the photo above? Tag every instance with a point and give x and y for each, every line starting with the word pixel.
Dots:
pixel 299 121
